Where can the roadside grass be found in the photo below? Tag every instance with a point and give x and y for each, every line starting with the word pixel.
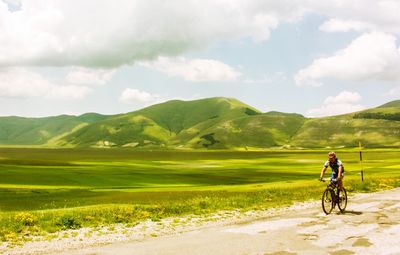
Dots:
pixel 71 192
pixel 17 227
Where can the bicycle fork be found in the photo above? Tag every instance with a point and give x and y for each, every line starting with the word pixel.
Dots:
pixel 335 197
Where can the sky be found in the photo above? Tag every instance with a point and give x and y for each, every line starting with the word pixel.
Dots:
pixel 316 58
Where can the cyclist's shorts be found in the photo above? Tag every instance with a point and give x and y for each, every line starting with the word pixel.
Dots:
pixel 334 176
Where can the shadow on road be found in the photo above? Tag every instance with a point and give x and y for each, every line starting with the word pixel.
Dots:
pixel 350 212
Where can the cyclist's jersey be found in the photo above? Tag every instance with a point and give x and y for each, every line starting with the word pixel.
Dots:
pixel 335 166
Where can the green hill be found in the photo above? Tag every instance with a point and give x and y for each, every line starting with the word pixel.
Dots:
pixel 392 104
pixel 376 127
pixel 177 115
pixel 160 124
pixel 212 123
pixel 261 130
pixel 389 111
pixel 41 131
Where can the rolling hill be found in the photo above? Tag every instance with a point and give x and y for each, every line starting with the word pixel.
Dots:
pixel 213 123
pixel 173 123
pixel 39 131
pixel 376 127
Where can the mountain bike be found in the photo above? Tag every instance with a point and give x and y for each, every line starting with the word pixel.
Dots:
pixel 333 195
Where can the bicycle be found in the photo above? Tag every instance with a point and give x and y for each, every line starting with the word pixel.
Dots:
pixel 333 194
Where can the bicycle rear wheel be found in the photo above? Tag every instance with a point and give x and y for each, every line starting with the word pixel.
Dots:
pixel 327 201
pixel 342 195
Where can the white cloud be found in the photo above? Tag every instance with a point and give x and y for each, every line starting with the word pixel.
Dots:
pixel 372 56
pixel 194 69
pixel 131 96
pixel 344 102
pixel 22 83
pixel 67 92
pixel 338 25
pixel 65 33
pixel 344 97
pixel 395 92
pixel 14 4
pixel 88 76
pixel 368 15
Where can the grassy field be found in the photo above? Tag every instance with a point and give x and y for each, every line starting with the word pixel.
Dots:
pixel 46 190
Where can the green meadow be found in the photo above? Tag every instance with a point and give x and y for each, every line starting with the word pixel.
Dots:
pixel 46 190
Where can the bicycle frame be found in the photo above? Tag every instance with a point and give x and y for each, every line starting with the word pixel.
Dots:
pixel 333 195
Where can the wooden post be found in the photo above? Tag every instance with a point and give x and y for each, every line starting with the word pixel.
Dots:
pixel 361 165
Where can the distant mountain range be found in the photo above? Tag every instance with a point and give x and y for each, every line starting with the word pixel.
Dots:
pixel 213 123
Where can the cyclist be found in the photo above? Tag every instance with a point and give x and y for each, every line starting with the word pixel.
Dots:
pixel 337 169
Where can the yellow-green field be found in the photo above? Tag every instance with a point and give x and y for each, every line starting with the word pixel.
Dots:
pixel 45 190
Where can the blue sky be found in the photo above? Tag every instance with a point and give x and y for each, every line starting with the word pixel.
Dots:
pixel 317 58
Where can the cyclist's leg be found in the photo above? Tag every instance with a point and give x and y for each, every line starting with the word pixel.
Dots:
pixel 333 176
pixel 338 184
pixel 341 181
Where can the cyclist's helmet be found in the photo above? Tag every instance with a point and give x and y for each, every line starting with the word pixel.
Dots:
pixel 332 154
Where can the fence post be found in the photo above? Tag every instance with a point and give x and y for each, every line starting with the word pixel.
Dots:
pixel 361 165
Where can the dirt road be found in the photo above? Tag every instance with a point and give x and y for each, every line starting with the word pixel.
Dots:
pixel 371 225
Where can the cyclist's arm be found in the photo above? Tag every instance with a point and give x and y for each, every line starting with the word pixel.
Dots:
pixel 323 172
pixel 340 172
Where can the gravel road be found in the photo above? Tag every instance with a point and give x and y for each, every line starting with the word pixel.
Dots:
pixel 370 225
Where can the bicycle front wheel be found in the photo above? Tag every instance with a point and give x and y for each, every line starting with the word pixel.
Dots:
pixel 342 195
pixel 327 201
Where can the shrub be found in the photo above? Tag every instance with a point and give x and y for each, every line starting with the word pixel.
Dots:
pixel 26 219
pixel 69 222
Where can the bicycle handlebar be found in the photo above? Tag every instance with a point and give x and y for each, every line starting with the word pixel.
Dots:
pixel 328 179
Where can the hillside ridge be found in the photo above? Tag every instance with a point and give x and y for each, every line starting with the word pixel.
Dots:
pixel 209 123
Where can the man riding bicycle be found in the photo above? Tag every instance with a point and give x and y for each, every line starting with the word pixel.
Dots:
pixel 337 169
